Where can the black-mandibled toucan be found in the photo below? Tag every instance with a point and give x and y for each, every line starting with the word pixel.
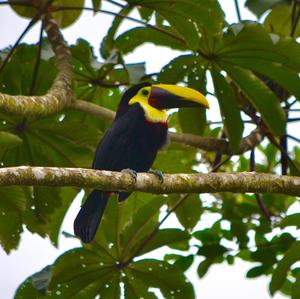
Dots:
pixel 137 133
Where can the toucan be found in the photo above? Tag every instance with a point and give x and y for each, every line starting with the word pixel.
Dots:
pixel 138 131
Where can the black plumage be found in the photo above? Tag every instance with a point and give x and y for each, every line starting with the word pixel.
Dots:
pixel 131 142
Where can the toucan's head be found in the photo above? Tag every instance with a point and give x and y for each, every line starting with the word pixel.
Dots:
pixel 155 99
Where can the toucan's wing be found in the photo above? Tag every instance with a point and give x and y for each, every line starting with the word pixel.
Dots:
pixel 126 144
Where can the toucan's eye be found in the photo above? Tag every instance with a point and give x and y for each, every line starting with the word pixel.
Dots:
pixel 145 92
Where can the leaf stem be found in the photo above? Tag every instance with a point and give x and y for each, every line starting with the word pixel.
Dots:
pixel 58 8
pixel 155 230
pixel 237 9
pixel 37 62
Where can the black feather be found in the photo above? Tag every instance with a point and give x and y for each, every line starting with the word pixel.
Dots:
pixel 131 142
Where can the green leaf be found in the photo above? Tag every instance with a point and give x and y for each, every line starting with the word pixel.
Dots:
pixel 212 251
pixel 276 71
pixel 257 271
pixel 12 204
pixel 9 140
pixel 17 75
pixel 64 17
pixel 10 229
pixel 166 237
pixel 41 280
pixel 233 123
pixel 238 43
pixel 284 265
pixel 204 267
pixel 278 21
pixel 96 5
pixel 184 262
pixel 159 274
pixel 240 230
pixel 35 286
pixel 192 120
pixel 188 16
pixel 259 7
pixel 45 215
pixel 58 215
pixel 185 159
pixel 108 43
pixel 296 287
pixel 189 212
pixel 141 223
pixel 262 98
pixel 13 199
pixel 291 220
pixel 183 66
pixel 131 39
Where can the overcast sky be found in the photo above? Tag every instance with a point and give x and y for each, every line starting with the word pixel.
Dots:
pixel 34 253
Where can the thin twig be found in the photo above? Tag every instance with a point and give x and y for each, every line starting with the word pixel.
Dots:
pixel 155 230
pixel 37 61
pixel 28 27
pixel 259 200
pixel 291 162
pixel 293 138
pixel 31 23
pixel 115 3
pixel 16 3
pixel 218 156
pixel 295 18
pixel 294 119
pixel 237 9
pixel 59 8
pixel 220 164
pixel 294 102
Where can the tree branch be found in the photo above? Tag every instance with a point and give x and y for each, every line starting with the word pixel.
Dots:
pixel 60 94
pixel 174 183
pixel 209 144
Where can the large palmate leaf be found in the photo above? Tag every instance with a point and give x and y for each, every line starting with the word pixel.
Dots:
pixel 262 98
pixel 64 18
pixel 191 70
pixel 17 76
pixel 188 16
pixel 259 7
pixel 101 267
pixel 189 212
pixel 278 21
pixel 280 273
pixel 232 120
pixel 277 59
pixel 133 38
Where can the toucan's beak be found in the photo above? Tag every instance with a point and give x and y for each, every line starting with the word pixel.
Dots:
pixel 166 96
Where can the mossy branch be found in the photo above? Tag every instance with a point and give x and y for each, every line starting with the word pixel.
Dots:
pixel 59 95
pixel 209 144
pixel 173 183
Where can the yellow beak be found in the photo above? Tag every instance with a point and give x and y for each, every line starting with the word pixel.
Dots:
pixel 166 96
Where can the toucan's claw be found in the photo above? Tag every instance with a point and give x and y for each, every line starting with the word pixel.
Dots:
pixel 132 172
pixel 158 174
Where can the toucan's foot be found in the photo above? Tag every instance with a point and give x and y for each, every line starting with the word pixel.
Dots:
pixel 158 174
pixel 132 172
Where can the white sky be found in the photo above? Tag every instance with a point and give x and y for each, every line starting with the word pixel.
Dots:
pixel 34 253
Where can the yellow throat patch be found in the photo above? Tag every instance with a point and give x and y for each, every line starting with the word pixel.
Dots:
pixel 152 114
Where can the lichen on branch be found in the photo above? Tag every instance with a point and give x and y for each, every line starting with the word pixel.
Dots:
pixel 173 183
pixel 59 95
pixel 209 144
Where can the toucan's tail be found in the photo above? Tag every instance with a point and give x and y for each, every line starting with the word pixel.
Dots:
pixel 89 216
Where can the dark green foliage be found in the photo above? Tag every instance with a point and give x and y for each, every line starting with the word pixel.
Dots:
pixel 246 66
